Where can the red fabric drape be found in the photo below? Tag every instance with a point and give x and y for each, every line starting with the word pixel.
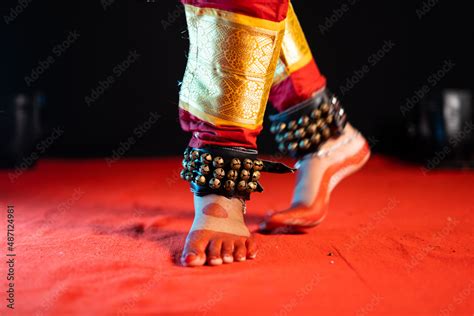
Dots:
pixel 299 86
pixel 273 10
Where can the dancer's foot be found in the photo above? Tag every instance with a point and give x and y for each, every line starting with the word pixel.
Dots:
pixel 219 234
pixel 317 177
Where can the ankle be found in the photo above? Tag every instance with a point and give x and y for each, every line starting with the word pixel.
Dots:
pixel 220 214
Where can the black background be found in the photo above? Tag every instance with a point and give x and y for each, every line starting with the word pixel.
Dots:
pixel 157 31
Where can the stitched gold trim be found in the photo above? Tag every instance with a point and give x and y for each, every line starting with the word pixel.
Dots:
pixel 295 51
pixel 231 63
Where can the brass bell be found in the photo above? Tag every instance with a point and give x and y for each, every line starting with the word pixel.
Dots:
pixel 214 183
pixel 288 136
pixel 232 175
pixel 189 176
pixel 303 121
pixel 277 127
pixel 304 143
pixel 218 162
pixel 235 163
pixel 248 164
pixel 256 176
pixel 300 133
pixel 311 129
pixel 319 124
pixel 200 180
pixel 281 127
pixel 241 185
pixel 274 128
pixel 257 165
pixel 315 114
pixel 293 146
pixel 244 174
pixel 251 186
pixel 325 108
pixel 329 119
pixel 206 158
pixel 315 139
pixel 219 173
pixel 204 169
pixel 292 125
pixel 194 155
pixel 282 147
pixel 191 165
pixel 326 132
pixel 229 185
pixel 280 137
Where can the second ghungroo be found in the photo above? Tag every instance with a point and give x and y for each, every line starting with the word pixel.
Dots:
pixel 303 128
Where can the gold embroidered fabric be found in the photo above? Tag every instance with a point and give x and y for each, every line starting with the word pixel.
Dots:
pixel 231 63
pixel 295 51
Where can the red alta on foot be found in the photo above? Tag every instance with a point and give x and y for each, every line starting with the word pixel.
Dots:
pixel 317 176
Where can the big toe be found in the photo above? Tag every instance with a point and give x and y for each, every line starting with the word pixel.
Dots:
pixel 194 251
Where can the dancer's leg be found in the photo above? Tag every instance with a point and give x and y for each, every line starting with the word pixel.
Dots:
pixel 298 87
pixel 234 47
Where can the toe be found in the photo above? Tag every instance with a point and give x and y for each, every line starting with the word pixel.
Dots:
pixel 214 252
pixel 251 248
pixel 227 251
pixel 193 253
pixel 240 252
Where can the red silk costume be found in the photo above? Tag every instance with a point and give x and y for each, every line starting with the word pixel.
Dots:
pixel 242 54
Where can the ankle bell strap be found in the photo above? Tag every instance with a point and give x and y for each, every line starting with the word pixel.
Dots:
pixel 303 128
pixel 228 171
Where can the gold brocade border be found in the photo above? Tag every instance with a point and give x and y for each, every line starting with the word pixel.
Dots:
pixel 231 63
pixel 295 51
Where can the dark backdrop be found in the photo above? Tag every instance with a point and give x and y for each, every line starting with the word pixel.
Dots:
pixel 102 34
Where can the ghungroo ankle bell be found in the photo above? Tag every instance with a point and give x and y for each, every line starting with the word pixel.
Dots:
pixel 227 171
pixel 303 128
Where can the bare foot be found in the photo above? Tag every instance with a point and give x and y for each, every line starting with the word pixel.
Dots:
pixel 218 234
pixel 317 176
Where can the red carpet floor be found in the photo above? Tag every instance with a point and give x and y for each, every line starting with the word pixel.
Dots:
pixel 97 240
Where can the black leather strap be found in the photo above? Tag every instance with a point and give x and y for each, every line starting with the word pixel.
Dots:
pixel 228 171
pixel 303 128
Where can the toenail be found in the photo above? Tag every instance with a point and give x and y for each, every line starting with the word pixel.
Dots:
pixel 215 261
pixel 253 256
pixel 240 259
pixel 188 258
pixel 228 258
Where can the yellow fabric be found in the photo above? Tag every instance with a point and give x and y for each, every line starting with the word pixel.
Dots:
pixel 295 52
pixel 231 63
